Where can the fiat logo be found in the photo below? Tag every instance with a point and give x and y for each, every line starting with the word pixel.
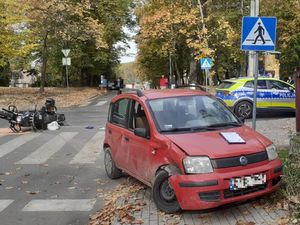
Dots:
pixel 243 160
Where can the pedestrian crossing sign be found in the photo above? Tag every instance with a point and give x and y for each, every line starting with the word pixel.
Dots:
pixel 258 33
pixel 206 63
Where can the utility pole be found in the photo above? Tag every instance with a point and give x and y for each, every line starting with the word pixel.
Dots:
pixel 253 56
pixel 253 64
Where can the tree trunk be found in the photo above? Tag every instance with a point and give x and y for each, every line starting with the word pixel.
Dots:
pixel 193 71
pixel 44 63
pixel 202 15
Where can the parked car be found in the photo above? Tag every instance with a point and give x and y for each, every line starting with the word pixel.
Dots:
pixel 189 148
pixel 272 94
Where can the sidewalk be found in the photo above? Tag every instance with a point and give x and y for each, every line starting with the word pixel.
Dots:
pixel 131 203
pixel 277 130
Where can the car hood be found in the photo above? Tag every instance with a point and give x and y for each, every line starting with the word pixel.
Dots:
pixel 213 145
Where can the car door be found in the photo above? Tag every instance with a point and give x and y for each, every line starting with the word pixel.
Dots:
pixel 116 131
pixel 139 147
pixel 283 94
pixel 263 93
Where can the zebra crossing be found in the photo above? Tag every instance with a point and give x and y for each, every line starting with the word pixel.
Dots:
pixel 4 204
pixel 88 153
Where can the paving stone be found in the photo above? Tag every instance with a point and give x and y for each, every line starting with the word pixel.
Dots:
pixel 247 215
pixel 230 217
pixel 188 220
pixel 257 217
pixel 223 216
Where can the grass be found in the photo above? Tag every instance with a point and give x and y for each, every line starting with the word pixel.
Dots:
pixel 291 187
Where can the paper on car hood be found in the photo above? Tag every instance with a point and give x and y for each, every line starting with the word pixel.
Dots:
pixel 212 144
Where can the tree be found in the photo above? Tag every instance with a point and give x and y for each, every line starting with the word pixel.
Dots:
pixel 61 23
pixel 15 38
pixel 288 31
pixel 186 31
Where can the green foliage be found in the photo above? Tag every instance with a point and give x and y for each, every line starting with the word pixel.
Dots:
pixel 39 29
pixel 179 28
pixel 288 31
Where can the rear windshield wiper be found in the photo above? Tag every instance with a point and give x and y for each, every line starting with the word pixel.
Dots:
pixel 229 124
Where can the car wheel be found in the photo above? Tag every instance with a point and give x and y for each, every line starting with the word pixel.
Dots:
pixel 163 194
pixel 112 171
pixel 244 109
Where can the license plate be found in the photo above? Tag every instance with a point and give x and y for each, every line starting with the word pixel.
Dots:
pixel 247 181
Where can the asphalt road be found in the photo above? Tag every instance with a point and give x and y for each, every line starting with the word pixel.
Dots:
pixel 55 177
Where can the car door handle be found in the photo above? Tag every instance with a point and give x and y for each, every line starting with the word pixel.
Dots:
pixel 126 138
pixel 109 131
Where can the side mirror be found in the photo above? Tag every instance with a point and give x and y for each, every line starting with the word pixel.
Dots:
pixel 242 119
pixel 292 89
pixel 141 132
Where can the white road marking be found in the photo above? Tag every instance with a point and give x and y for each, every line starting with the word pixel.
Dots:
pixel 63 205
pixel 15 143
pixel 4 204
pixel 91 151
pixel 100 103
pixel 85 104
pixel 43 153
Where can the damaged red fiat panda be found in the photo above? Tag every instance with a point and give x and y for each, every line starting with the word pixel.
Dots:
pixel 189 148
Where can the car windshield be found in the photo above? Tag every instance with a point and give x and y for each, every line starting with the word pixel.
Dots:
pixel 191 113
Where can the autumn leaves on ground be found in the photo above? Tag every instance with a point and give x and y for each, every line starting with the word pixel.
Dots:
pixel 29 98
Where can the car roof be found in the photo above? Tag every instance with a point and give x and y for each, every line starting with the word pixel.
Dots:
pixel 165 93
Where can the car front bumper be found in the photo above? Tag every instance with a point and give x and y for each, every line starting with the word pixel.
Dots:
pixel 204 191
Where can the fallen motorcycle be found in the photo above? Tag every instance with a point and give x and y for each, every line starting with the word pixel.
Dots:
pixel 36 119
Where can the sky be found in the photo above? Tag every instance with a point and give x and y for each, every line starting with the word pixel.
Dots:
pixel 131 51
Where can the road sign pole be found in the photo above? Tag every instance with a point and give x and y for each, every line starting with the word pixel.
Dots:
pixel 254 11
pixel 206 75
pixel 67 77
pixel 66 62
pixel 255 95
pixel 297 85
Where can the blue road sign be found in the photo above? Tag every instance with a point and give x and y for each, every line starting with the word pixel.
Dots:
pixel 258 33
pixel 206 63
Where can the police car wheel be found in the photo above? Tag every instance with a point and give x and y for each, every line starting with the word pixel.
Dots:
pixel 244 109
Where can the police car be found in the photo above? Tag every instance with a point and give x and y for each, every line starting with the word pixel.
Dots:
pixel 272 94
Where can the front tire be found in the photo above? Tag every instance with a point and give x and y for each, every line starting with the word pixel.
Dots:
pixel 244 109
pixel 163 195
pixel 112 171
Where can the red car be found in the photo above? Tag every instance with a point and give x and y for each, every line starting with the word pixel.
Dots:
pixel 190 148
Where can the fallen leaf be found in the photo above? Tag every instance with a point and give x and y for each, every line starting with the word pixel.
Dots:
pixel 283 221
pixel 8 188
pixel 295 199
pixel 241 222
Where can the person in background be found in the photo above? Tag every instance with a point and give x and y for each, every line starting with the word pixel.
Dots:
pixel 163 82
pixel 290 80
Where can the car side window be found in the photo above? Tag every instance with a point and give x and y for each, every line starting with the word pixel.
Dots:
pixel 138 117
pixel 262 84
pixel 249 84
pixel 119 112
pixel 278 85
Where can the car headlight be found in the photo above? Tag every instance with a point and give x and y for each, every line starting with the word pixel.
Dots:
pixel 271 151
pixel 19 119
pixel 197 165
